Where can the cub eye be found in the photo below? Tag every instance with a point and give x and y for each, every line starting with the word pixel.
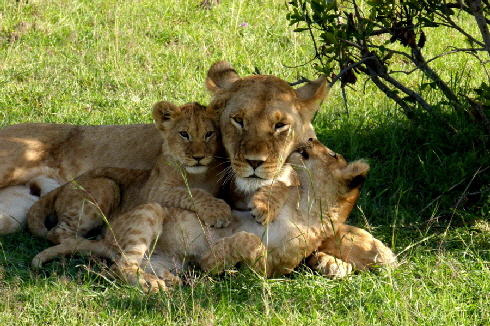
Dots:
pixel 304 154
pixel 238 121
pixel 184 134
pixel 209 134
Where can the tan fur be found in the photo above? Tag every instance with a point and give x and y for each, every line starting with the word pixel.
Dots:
pixel 63 152
pixel 262 121
pixel 152 243
pixel 187 168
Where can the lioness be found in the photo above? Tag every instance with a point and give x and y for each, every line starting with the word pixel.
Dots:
pixel 262 121
pixel 151 242
pixel 186 175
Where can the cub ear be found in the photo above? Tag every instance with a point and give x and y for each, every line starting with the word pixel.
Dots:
pixel 220 76
pixel 311 95
pixel 354 174
pixel 163 111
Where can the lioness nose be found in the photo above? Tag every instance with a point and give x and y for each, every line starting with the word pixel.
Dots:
pixel 255 163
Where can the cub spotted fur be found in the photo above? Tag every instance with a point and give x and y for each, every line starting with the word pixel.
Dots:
pixel 151 244
pixel 186 175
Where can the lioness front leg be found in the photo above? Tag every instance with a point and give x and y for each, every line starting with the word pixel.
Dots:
pixel 357 247
pixel 240 247
pixel 267 201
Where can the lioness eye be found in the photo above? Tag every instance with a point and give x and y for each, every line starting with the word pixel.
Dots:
pixel 238 121
pixel 280 126
pixel 209 134
pixel 184 134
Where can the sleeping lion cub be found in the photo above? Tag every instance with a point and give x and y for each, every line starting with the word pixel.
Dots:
pixel 190 143
pixel 151 243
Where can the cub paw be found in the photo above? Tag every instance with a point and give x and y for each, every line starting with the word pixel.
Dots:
pixel 215 213
pixel 152 284
pixel 329 266
pixel 214 260
pixel 134 276
pixel 262 211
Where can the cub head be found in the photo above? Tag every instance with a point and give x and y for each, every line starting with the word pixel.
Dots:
pixel 336 183
pixel 190 134
pixel 262 121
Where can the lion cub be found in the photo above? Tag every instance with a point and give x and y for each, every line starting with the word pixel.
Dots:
pixel 311 221
pixel 152 243
pixel 186 175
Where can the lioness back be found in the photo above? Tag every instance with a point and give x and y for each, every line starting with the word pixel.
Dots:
pixel 63 152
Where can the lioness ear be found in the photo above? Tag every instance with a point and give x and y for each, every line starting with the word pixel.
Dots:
pixel 312 94
pixel 163 112
pixel 220 76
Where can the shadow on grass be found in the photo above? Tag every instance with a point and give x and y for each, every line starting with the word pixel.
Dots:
pixel 419 174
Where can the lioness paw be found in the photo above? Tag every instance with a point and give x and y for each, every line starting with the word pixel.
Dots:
pixel 215 213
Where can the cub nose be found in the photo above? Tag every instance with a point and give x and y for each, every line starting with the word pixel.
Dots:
pixel 255 163
pixel 198 158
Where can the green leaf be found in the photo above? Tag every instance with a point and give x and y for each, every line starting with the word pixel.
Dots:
pixel 300 29
pixel 432 85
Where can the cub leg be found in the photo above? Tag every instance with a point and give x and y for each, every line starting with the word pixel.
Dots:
pixel 72 246
pixel 211 210
pixel 133 235
pixel 267 201
pixel 128 240
pixel 329 266
pixel 354 246
pixel 78 207
pixel 239 247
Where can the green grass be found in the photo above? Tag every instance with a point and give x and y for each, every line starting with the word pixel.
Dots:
pixel 107 62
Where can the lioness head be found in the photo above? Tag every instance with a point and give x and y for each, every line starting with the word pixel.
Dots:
pixel 190 133
pixel 262 121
